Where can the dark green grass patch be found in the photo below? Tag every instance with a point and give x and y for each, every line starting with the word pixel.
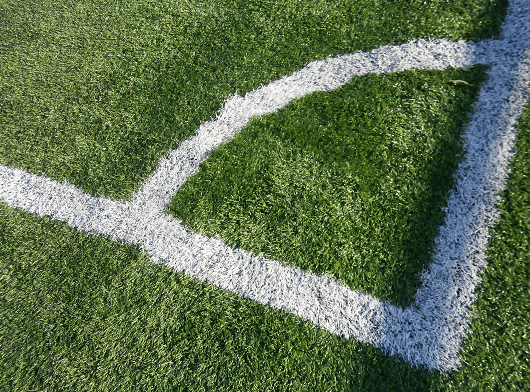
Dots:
pixel 350 183
pixel 96 92
pixel 81 313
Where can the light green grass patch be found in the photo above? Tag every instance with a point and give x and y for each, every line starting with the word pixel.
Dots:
pixel 350 183
pixel 97 92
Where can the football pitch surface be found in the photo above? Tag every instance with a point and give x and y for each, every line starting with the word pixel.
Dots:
pixel 192 265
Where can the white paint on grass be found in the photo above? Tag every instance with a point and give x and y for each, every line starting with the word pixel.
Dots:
pixel 325 75
pixel 431 331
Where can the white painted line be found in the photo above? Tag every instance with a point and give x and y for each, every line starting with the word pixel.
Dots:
pixel 323 75
pixel 431 331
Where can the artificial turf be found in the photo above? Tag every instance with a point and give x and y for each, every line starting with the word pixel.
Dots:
pixel 97 92
pixel 350 183
pixel 85 313
pixel 496 354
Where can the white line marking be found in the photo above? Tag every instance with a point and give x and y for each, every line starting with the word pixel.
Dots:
pixel 431 331
pixel 324 75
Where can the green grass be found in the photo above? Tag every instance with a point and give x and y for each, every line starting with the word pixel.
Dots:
pixel 96 92
pixel 496 355
pixel 82 313
pixel 85 313
pixel 350 183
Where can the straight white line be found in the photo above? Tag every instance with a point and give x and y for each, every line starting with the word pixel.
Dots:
pixel 448 285
pixel 430 332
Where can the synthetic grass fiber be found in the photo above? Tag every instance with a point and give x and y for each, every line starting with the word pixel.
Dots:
pixel 349 183
pixel 96 93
